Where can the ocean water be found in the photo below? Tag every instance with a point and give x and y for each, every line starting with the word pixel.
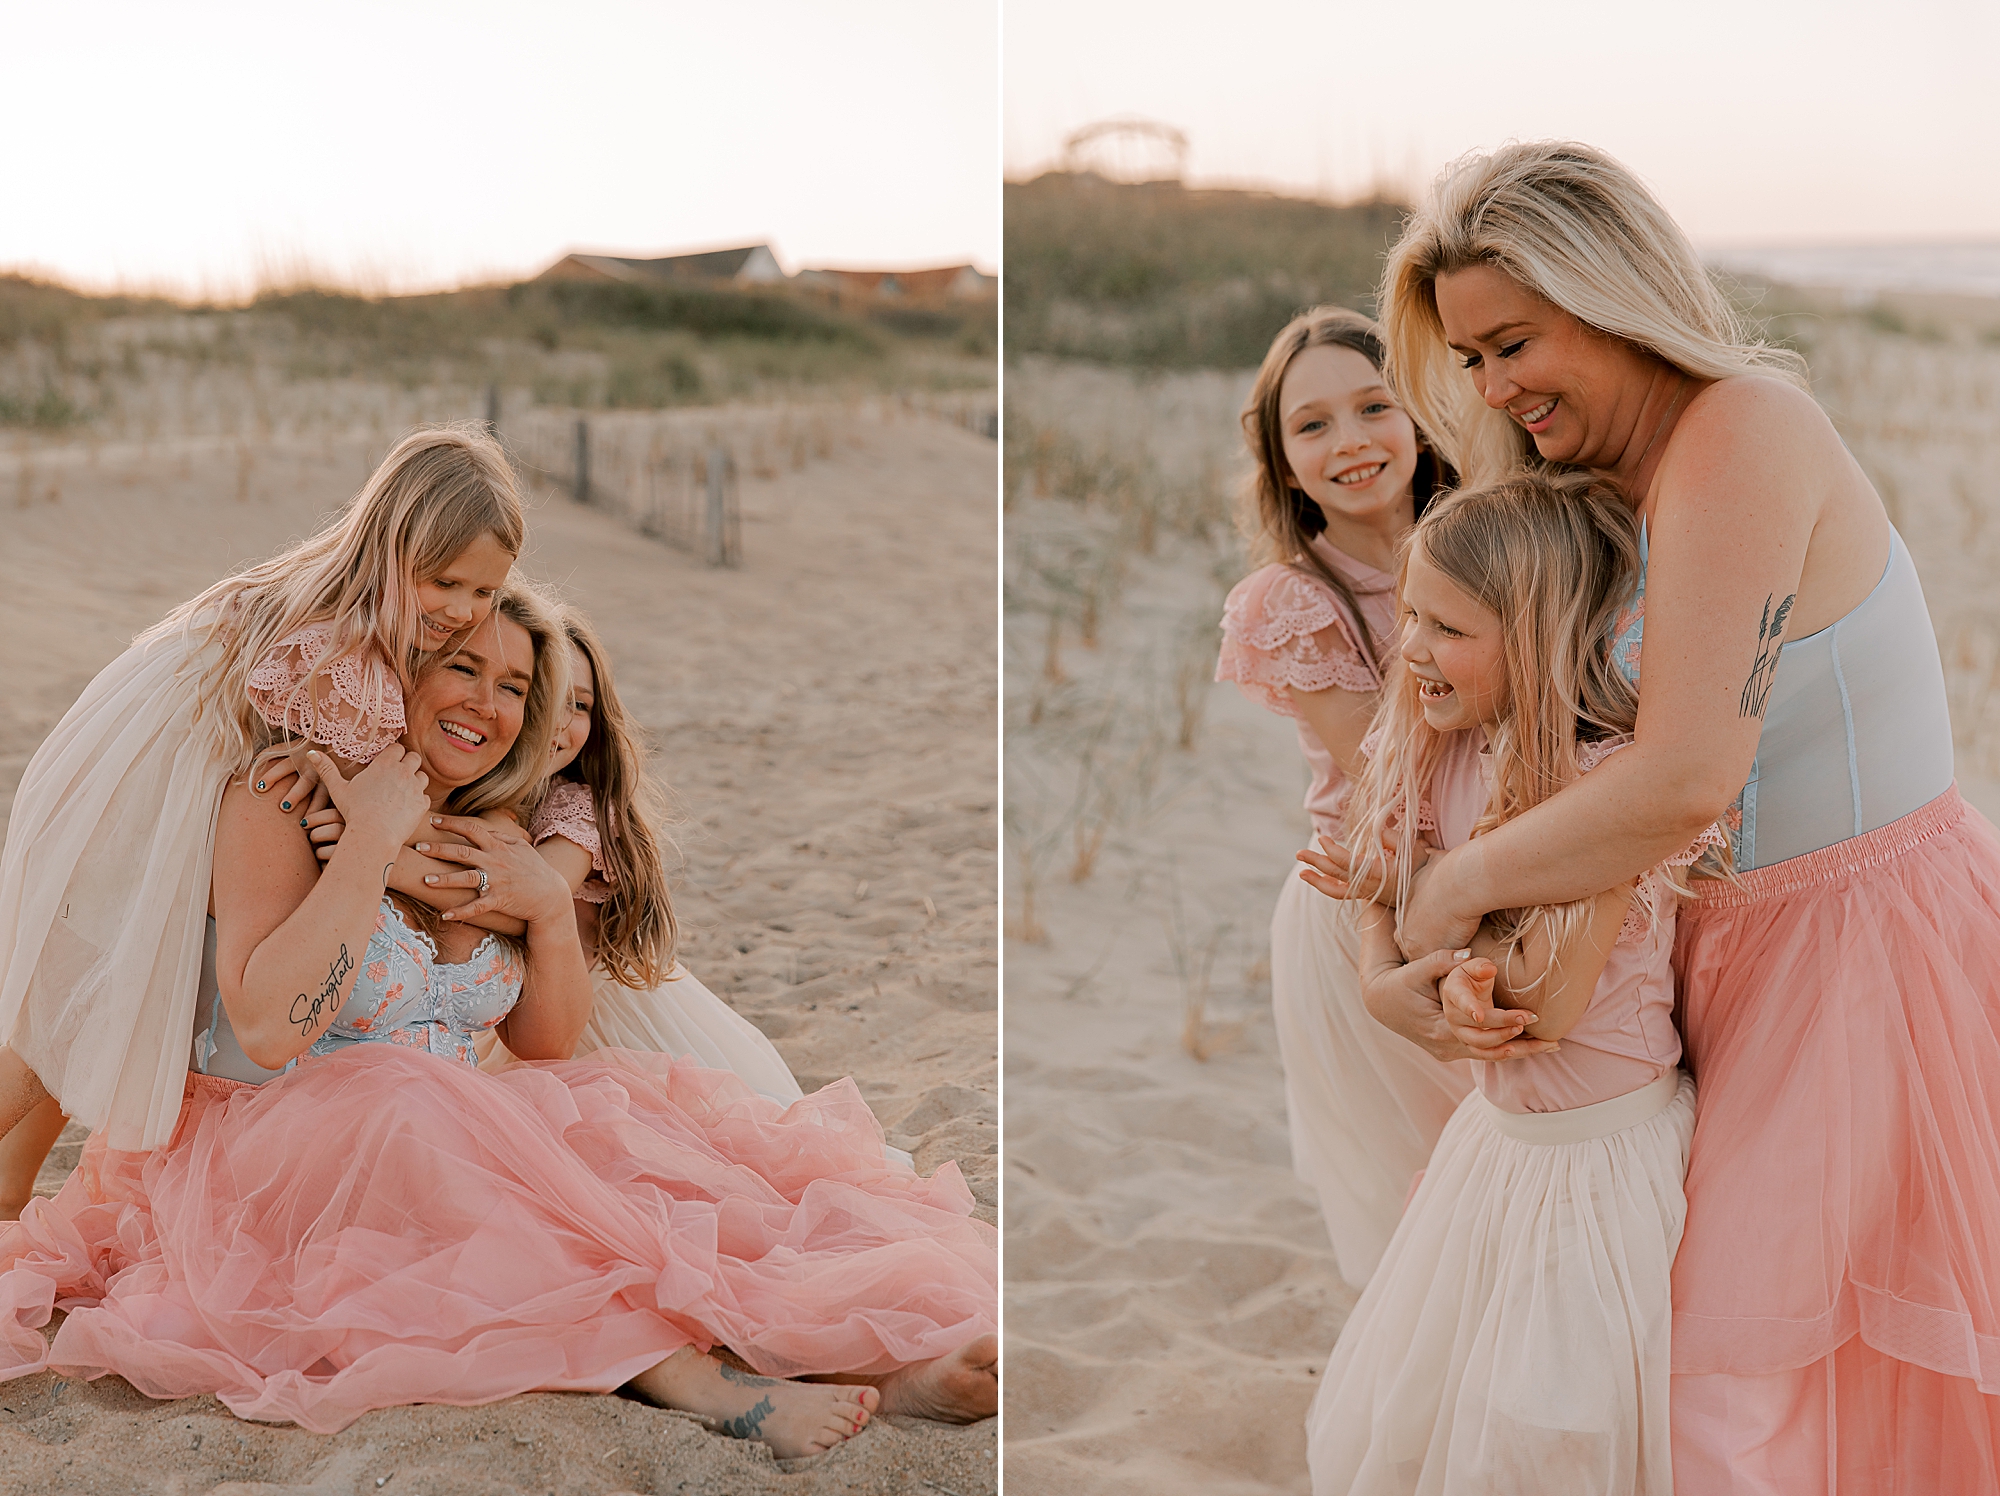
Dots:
pixel 1963 268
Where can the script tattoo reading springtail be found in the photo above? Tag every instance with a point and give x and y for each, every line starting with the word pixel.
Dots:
pixel 1764 670
pixel 306 1010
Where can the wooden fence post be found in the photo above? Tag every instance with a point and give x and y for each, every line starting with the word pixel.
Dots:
pixel 582 460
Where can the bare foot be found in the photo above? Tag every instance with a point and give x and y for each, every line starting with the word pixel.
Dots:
pixel 795 1418
pixel 963 1387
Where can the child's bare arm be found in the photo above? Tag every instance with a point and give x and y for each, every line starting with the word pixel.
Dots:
pixel 1339 719
pixel 1557 994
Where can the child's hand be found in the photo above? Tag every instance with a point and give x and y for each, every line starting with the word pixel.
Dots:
pixel 288 770
pixel 1331 871
pixel 324 829
pixel 1467 995
pixel 383 805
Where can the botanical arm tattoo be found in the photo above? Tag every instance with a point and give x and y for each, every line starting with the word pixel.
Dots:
pixel 306 1011
pixel 1770 631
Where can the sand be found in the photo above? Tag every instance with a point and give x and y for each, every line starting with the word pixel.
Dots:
pixel 1171 1297
pixel 825 716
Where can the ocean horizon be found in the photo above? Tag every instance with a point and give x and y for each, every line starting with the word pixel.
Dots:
pixel 1964 268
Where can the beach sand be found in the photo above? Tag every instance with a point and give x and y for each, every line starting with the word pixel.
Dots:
pixel 1171 1297
pixel 825 716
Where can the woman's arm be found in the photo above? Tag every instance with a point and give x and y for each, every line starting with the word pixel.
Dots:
pixel 1728 536
pixel 289 936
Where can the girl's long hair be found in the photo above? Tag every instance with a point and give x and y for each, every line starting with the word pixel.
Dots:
pixel 636 928
pixel 1578 229
pixel 439 489
pixel 1556 556
pixel 1277 518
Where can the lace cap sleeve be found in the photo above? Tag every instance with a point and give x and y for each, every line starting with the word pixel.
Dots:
pixel 1283 628
pixel 352 706
pixel 570 811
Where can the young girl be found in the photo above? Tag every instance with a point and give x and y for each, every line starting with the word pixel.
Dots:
pixel 104 879
pixel 594 825
pixel 1515 1336
pixel 1341 473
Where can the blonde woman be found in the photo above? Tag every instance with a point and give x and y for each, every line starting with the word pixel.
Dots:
pixel 1837 1292
pixel 1341 474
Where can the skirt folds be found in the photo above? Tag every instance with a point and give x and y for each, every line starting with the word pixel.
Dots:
pixel 1366 1105
pixel 1514 1340
pixel 383 1227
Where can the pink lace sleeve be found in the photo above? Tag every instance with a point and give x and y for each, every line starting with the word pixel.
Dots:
pixel 352 706
pixel 1282 628
pixel 569 810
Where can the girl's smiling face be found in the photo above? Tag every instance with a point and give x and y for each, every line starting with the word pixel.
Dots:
pixel 1348 443
pixel 574 729
pixel 1452 643
pixel 466 712
pixel 459 597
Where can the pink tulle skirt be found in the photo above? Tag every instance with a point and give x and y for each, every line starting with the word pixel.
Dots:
pixel 383 1227
pixel 1842 1018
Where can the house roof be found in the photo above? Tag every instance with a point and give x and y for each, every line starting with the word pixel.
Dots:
pixel 748 262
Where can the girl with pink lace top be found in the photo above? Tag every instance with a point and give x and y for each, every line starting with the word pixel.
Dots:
pixel 1341 474
pixel 104 880
pixel 594 823
pixel 1515 1334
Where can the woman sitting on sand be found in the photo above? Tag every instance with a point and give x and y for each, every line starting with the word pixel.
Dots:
pixel 382 1223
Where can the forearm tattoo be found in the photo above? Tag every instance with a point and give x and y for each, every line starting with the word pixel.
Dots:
pixel 1770 636
pixel 306 1011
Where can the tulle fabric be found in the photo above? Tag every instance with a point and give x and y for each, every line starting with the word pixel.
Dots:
pixel 104 893
pixel 1514 1341
pixel 383 1227
pixel 1366 1105
pixel 681 1017
pixel 1842 1014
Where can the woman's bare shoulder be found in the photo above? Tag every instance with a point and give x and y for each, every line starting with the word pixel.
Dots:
pixel 1753 407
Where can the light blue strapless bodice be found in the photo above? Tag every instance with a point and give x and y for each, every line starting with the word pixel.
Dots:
pixel 402 995
pixel 1856 730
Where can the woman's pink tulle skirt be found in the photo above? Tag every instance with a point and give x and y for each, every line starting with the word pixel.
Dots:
pixel 1837 1291
pixel 383 1227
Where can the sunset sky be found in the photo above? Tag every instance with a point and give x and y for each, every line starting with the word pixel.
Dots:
pixel 204 147
pixel 1755 120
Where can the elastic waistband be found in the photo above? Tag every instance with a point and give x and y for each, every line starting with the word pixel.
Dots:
pixel 1829 864
pixel 1583 1123
pixel 212 1085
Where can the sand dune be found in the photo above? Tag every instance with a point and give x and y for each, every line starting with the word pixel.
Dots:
pixel 1171 1295
pixel 825 716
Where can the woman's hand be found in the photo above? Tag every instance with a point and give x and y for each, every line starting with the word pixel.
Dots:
pixel 1331 870
pixel 511 877
pixel 382 806
pixel 1406 1000
pixel 1433 918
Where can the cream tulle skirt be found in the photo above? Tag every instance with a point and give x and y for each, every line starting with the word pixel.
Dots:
pixel 681 1017
pixel 382 1226
pixel 104 895
pixel 1514 1340
pixel 1366 1105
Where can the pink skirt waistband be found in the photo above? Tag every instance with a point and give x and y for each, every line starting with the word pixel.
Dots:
pixel 1830 864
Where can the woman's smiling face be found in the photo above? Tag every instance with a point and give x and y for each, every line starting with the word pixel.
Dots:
pixel 1573 389
pixel 466 711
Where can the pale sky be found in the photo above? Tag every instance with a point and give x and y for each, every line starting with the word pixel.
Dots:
pixel 199 147
pixel 1754 120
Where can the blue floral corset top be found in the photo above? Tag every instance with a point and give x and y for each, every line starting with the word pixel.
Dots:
pixel 402 995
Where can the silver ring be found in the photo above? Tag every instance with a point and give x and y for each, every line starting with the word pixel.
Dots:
pixel 482 883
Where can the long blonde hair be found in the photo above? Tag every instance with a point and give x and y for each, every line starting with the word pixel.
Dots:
pixel 1556 556
pixel 439 489
pixel 636 929
pixel 1276 516
pixel 1578 229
